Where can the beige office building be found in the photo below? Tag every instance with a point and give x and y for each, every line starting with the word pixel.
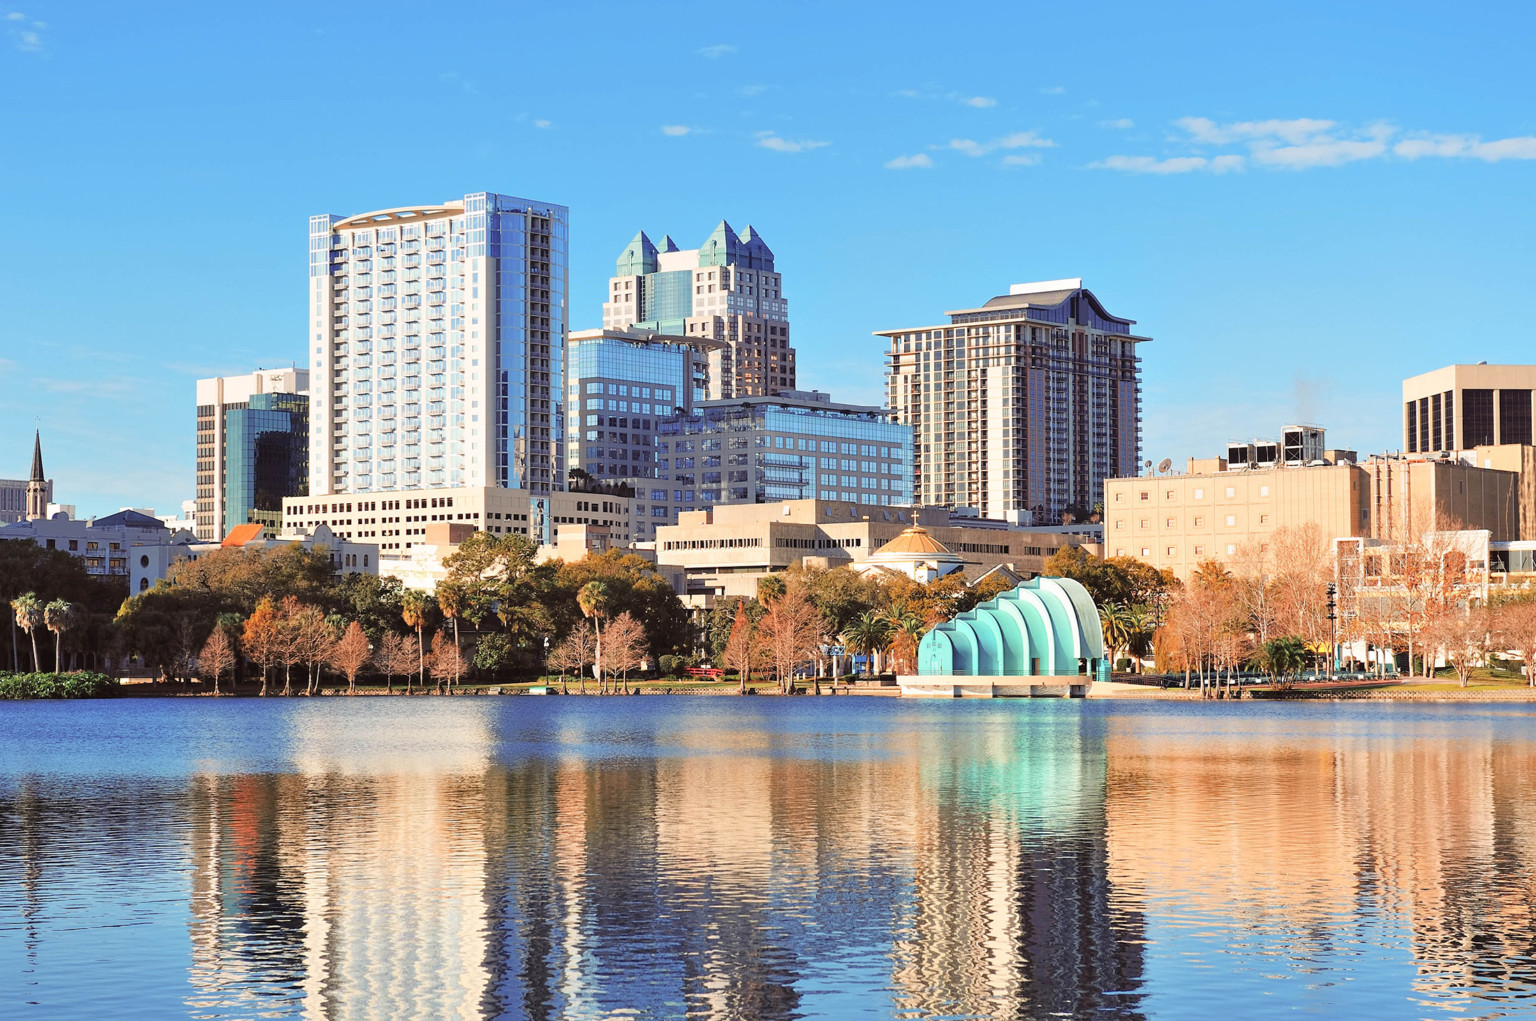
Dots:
pixel 398 521
pixel 724 551
pixel 1460 407
pixel 1211 511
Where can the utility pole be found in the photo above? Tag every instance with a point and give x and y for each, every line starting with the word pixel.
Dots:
pixel 1333 656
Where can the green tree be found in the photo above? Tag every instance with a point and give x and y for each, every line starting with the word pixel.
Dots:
pixel 869 634
pixel 633 587
pixel 29 617
pixel 596 603
pixel 60 616
pixel 414 610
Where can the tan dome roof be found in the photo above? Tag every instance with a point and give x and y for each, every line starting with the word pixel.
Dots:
pixel 914 540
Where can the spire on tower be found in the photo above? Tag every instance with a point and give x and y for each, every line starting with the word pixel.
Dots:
pixel 37 457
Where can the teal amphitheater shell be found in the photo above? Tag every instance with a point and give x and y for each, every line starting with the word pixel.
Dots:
pixel 1045 627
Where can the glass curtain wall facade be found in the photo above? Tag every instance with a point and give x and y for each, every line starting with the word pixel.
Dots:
pixel 266 457
pixel 437 346
pixel 766 450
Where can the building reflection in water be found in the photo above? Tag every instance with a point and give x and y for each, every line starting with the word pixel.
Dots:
pixel 708 877
pixel 1294 837
pixel 472 858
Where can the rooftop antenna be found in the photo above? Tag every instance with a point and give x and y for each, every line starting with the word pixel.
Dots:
pixel 1148 465
pixel 1164 465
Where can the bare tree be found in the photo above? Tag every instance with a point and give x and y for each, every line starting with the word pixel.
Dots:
pixel 396 655
pixel 1515 628
pixel 314 639
pixel 789 630
pixel 351 654
pixel 445 662
pixel 741 648
pixel 624 647
pixel 574 653
pixel 217 656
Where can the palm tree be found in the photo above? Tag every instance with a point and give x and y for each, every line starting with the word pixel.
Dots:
pixel 1116 622
pixel 29 616
pixel 595 602
pixel 869 633
pixel 413 610
pixel 1140 627
pixel 451 600
pixel 907 626
pixel 59 616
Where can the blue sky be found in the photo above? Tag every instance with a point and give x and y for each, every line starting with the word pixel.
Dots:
pixel 1303 202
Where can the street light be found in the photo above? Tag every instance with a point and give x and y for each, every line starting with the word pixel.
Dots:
pixel 1332 631
pixel 546 660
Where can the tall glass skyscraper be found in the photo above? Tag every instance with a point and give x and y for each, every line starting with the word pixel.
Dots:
pixel 438 335
pixel 266 457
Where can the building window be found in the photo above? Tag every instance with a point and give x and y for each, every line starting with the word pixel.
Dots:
pixel 1199 551
pixel 1263 519
pixel 1263 490
pixel 1144 494
pixel 1231 520
pixel 1145 552
pixel 1231 492
pixel 1170 523
pixel 1170 551
pixel 1199 494
pixel 1231 549
pixel 1199 521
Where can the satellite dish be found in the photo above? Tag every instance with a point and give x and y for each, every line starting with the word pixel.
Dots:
pixel 1165 464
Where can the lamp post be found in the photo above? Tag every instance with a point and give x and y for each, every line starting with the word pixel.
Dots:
pixel 1332 630
pixel 545 677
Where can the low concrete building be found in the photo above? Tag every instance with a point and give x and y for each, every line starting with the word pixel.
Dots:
pixel 150 563
pixel 1212 510
pixel 107 545
pixel 398 520
pixel 726 550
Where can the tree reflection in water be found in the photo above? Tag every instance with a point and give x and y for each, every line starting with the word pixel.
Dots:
pixel 664 858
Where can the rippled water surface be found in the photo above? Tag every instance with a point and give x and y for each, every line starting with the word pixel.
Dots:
pixel 764 858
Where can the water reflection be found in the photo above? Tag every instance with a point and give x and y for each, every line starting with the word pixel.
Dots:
pixel 661 858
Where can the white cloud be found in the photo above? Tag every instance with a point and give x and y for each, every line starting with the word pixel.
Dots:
pixel 1173 165
pixel 1054 90
pixel 1119 124
pixel 1522 147
pixel 1295 132
pixel 716 51
pixel 980 102
pixel 753 91
pixel 675 130
pixel 1017 140
pixel 769 140
pixel 26 34
pixel 909 162
pixel 1025 159
pixel 541 123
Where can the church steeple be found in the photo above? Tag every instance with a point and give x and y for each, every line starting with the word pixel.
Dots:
pixel 37 486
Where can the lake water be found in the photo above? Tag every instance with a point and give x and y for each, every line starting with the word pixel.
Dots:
pixel 720 857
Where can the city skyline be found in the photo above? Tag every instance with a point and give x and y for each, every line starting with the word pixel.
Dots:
pixel 1275 215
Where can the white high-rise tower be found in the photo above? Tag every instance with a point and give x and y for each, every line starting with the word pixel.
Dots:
pixel 437 335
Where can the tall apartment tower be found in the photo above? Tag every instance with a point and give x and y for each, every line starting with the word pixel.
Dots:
pixel 1026 404
pixel 252 447
pixel 726 289
pixel 438 334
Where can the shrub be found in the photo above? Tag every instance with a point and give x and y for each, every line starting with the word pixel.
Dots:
pixel 672 666
pixel 80 684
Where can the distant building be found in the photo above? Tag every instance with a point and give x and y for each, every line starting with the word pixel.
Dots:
pixel 150 563
pixel 796 445
pixel 437 334
pixel 1459 407
pixel 727 289
pixel 726 550
pixel 1213 510
pixel 398 521
pixel 252 448
pixel 620 386
pixel 1025 404
pixel 106 545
